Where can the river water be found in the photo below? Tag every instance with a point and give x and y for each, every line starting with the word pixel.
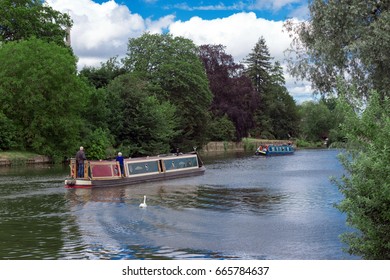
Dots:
pixel 243 207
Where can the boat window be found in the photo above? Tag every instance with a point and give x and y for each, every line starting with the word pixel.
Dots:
pixel 142 167
pixel 104 169
pixel 179 163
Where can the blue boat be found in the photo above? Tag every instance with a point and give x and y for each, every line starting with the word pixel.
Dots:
pixel 275 150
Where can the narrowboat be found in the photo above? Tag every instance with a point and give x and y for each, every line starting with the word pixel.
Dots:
pixel 105 173
pixel 275 150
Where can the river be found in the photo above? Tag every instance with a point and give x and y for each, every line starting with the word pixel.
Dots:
pixel 243 207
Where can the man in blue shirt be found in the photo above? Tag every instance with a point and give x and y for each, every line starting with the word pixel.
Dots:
pixel 119 159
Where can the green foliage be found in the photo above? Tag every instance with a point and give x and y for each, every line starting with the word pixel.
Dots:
pixel 277 115
pixel 222 129
pixel 139 121
pixel 171 64
pixel 23 19
pixel 367 186
pixel 42 96
pixel 97 144
pixel 259 65
pixel 97 110
pixel 101 76
pixel 280 111
pixel 8 133
pixel 316 121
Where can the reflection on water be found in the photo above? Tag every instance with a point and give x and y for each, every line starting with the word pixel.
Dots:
pixel 244 207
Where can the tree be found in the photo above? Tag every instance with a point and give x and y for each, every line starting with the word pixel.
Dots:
pixel 280 111
pixel 172 65
pixel 101 76
pixel 316 121
pixel 259 65
pixel 234 96
pixel 140 123
pixel 22 19
pixel 42 96
pixel 343 39
pixel 277 114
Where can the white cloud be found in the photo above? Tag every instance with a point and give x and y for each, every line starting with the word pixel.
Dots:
pixel 239 33
pixel 101 31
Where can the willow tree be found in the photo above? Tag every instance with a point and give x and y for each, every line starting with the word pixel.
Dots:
pixel 172 64
pixel 343 40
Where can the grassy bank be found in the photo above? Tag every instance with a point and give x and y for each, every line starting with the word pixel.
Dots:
pixel 21 157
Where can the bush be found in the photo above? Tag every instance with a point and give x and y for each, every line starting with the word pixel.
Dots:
pixel 366 187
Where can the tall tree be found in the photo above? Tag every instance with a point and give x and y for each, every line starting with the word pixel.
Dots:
pixel 234 96
pixel 280 107
pixel 172 64
pixel 22 19
pixel 259 65
pixel 42 96
pixel 276 115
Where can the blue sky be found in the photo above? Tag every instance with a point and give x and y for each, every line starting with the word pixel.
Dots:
pixel 211 9
pixel 102 28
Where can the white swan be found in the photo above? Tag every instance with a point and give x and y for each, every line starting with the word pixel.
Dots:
pixel 143 204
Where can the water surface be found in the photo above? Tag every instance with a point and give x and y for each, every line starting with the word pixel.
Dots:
pixel 243 207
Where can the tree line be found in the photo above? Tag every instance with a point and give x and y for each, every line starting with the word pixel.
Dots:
pixel 166 93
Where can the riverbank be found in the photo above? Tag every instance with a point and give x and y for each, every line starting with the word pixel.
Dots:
pixel 18 158
pixel 246 145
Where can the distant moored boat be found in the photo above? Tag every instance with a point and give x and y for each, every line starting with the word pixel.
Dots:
pixel 275 150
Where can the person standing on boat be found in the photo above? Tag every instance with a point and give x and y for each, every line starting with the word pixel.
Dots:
pixel 80 157
pixel 119 159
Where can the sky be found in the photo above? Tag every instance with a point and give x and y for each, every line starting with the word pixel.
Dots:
pixel 101 28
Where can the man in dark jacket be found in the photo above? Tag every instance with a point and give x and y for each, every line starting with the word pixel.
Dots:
pixel 80 157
